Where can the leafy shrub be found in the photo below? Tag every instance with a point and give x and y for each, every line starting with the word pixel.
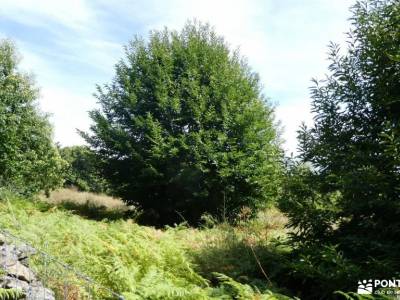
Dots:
pixel 83 170
pixel 312 214
pixel 316 272
pixel 348 145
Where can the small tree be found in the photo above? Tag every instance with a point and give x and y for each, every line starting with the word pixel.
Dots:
pixel 351 195
pixel 183 128
pixel 29 162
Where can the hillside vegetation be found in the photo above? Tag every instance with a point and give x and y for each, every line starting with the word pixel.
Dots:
pixel 185 140
pixel 136 261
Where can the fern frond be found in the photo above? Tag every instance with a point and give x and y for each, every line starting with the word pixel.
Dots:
pixel 11 294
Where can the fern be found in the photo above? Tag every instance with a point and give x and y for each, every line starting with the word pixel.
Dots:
pixel 355 296
pixel 10 294
pixel 236 290
pixel 136 261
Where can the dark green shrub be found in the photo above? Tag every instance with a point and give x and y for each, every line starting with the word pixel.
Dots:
pixel 312 214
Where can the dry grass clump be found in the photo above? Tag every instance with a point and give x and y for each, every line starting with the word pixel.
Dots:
pixel 70 195
pixel 90 205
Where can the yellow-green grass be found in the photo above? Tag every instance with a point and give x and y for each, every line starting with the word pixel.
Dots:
pixel 66 195
pixel 137 261
pixel 89 205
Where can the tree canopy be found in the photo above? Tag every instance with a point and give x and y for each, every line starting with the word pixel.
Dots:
pixel 29 162
pixel 184 129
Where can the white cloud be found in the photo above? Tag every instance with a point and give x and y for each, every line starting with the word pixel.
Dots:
pixel 69 111
pixel 74 14
pixel 285 41
pixel 292 116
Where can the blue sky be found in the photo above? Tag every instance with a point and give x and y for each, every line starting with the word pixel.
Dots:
pixel 72 45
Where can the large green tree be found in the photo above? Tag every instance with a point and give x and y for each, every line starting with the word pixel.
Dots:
pixel 184 128
pixel 29 162
pixel 350 195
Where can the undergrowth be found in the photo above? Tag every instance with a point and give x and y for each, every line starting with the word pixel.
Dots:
pixel 136 261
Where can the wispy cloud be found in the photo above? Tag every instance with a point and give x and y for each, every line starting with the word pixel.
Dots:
pixel 74 14
pixel 72 45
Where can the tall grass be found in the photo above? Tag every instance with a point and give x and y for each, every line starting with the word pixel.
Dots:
pixel 90 205
pixel 137 261
pixel 248 251
pixel 72 195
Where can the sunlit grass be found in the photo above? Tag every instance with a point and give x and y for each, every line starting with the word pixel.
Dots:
pixel 137 261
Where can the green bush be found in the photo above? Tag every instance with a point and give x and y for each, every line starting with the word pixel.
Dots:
pixel 83 170
pixel 353 144
pixel 312 213
pixel 29 162
pixel 317 272
pixel 183 129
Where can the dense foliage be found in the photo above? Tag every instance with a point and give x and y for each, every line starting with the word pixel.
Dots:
pixel 183 128
pixel 29 162
pixel 82 170
pixel 347 193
